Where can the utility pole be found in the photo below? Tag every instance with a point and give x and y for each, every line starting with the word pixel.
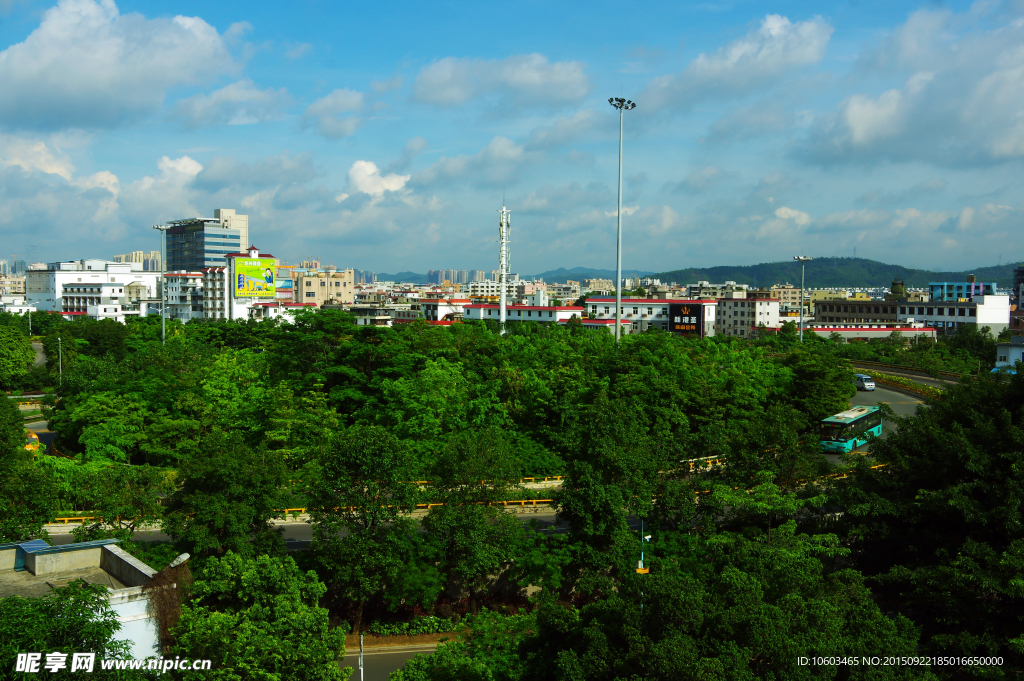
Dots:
pixel 163 282
pixel 504 232
pixel 622 105
pixel 803 261
pixel 60 362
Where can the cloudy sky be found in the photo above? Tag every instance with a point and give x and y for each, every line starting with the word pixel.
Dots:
pixel 383 135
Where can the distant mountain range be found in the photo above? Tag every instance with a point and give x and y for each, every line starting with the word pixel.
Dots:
pixel 821 273
pixel 838 272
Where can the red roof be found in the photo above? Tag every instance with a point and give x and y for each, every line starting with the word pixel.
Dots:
pixel 663 301
pixel 522 307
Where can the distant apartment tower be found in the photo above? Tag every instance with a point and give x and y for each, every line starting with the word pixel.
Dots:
pixel 196 243
pixel 150 261
pixel 477 275
pixel 5 268
pixel 310 264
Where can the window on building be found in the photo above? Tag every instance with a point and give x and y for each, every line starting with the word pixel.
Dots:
pixel 930 311
pixel 650 310
pixel 903 310
pixel 952 312
pixel 974 312
pixel 963 311
pixel 551 313
pixel 310 294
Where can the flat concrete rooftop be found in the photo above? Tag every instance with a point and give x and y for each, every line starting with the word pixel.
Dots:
pixel 28 585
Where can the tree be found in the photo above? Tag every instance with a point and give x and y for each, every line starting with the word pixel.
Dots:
pixel 476 538
pixel 258 618
pixel 126 497
pixel 27 494
pixel 360 490
pixel 937 528
pixel 227 494
pixel 822 383
pixel 76 618
pixel 16 355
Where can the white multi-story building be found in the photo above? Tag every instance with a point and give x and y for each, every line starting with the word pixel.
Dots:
pixel 679 316
pixel 992 311
pixel 739 316
pixel 441 309
pixel 184 295
pixel 523 313
pixel 277 309
pixel 45 288
pixel 480 289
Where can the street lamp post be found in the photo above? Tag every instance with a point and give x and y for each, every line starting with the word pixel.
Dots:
pixel 163 282
pixel 803 261
pixel 622 105
pixel 60 362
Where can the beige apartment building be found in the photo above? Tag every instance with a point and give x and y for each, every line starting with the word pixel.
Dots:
pixel 335 287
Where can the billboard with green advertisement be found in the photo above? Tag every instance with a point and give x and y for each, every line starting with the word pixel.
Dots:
pixel 254 277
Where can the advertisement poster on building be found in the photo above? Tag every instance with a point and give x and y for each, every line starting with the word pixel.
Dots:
pixel 686 318
pixel 254 278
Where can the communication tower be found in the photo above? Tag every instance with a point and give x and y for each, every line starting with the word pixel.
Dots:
pixel 504 232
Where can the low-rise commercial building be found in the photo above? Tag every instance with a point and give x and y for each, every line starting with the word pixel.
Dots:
pixel 1008 354
pixel 230 292
pixel 523 313
pixel 954 291
pixel 679 316
pixel 946 317
pixel 335 287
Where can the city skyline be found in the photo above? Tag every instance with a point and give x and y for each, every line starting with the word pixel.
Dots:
pixel 761 132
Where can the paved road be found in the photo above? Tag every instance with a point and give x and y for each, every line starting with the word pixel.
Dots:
pixel 378 663
pixel 901 403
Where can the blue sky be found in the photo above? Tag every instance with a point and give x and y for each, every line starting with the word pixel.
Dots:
pixel 382 135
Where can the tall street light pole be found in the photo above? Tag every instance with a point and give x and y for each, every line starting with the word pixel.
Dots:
pixel 163 282
pixel 622 105
pixel 803 261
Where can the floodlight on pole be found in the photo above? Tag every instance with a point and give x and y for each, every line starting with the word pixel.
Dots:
pixel 622 105
pixel 163 282
pixel 803 261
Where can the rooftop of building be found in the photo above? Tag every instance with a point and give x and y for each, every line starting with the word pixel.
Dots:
pixel 34 568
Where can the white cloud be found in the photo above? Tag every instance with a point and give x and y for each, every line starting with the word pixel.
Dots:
pixel 564 130
pixel 626 210
pixel 496 164
pixel 751 63
pixel 240 103
pixel 297 51
pixel 364 176
pixel 325 113
pixel 797 216
pixel 520 79
pixel 87 65
pixel 960 103
pixel 282 169
pixel 34 154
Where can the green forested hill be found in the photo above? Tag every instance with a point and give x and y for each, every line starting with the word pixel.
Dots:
pixel 827 272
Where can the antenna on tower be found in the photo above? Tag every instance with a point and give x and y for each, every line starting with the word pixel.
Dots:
pixel 504 232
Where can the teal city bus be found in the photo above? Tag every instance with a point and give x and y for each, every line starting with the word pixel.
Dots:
pixel 850 429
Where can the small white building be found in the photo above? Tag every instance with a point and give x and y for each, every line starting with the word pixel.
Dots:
pixel 1008 354
pixel 443 309
pixel 946 317
pixel 277 309
pixel 524 313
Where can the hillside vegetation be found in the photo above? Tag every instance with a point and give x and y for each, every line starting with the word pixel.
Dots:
pixel 827 272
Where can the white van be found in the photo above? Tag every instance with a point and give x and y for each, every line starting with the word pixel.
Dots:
pixel 863 382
